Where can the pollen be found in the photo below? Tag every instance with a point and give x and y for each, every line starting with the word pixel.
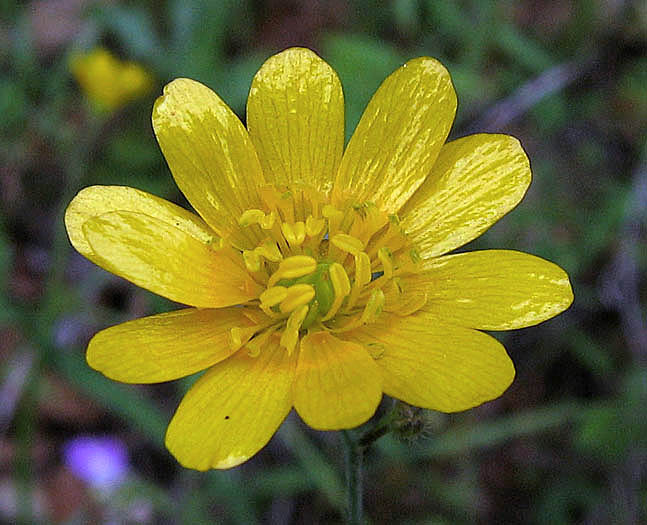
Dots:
pixel 318 263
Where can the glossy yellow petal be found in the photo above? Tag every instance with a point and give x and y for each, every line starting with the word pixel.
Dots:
pixel 166 346
pixel 475 181
pixel 96 200
pixel 399 136
pixel 337 385
pixel 434 365
pixel 155 254
pixel 492 289
pixel 233 410
pixel 295 117
pixel 210 156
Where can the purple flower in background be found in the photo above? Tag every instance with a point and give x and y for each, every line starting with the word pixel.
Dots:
pixel 102 462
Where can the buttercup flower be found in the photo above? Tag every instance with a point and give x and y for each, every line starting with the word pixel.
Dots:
pixel 316 277
pixel 108 82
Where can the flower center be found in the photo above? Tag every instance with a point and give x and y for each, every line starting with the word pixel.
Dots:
pixel 323 267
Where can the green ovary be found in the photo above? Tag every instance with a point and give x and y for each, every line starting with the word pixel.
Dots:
pixel 324 293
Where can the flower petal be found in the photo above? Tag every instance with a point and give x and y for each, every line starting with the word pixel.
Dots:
pixel 399 136
pixel 166 346
pixel 337 384
pixel 210 156
pixel 233 410
pixel 434 365
pixel 156 255
pixel 492 289
pixel 295 117
pixel 475 181
pixel 96 200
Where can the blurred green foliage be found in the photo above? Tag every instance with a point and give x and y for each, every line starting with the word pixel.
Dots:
pixel 566 444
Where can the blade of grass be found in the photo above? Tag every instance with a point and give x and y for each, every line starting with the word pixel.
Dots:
pixel 317 467
pixel 460 440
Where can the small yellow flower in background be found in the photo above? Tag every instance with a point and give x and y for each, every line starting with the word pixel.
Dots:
pixel 316 277
pixel 108 82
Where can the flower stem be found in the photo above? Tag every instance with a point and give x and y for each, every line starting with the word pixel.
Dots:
pixel 354 456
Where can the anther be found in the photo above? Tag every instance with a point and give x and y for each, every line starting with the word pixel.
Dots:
pixel 411 303
pixel 341 288
pixel 371 312
pixel 293 267
pixel 235 338
pixel 373 307
pixel 273 296
pixel 290 335
pixel 267 222
pixel 334 217
pixel 252 260
pixel 250 217
pixel 347 243
pixel 386 258
pixel 255 345
pixel 297 295
pixel 362 277
pixel 254 216
pixel 314 226
pixel 239 336
pixel 295 233
pixel 270 251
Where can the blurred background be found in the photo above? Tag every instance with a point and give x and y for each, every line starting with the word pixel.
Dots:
pixel 567 443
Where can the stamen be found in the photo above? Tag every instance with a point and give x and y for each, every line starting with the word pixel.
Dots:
pixel 270 196
pixel 252 260
pixel 347 243
pixel 386 258
pixel 255 345
pixel 334 217
pixel 293 267
pixel 277 236
pixel 369 221
pixel 250 217
pixel 239 336
pixel 306 251
pixel 267 222
pixel 371 312
pixel 290 335
pixel 341 287
pixel 314 226
pixel 362 277
pixel 373 307
pixel 295 233
pixel 393 237
pixel 256 317
pixel 407 262
pixel 297 295
pixel 273 296
pixel 411 303
pixel 270 251
pixel 286 205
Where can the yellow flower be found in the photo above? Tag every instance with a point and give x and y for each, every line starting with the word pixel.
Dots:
pixel 315 276
pixel 108 82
